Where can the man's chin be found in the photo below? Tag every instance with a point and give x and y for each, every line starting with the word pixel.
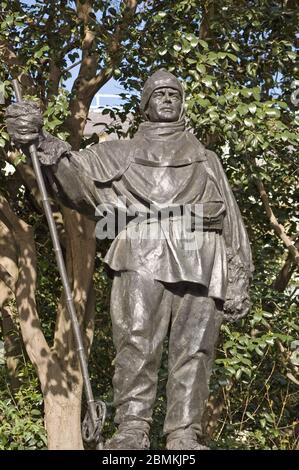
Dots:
pixel 167 118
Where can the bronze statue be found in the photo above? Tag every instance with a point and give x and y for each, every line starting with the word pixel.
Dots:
pixel 160 285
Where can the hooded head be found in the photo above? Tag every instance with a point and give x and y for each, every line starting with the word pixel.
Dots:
pixel 163 80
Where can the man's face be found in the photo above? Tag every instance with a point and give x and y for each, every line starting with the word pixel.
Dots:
pixel 164 105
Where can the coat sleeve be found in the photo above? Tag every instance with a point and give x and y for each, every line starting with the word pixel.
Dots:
pixel 68 175
pixel 240 266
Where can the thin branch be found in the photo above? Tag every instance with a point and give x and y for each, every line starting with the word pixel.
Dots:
pixel 114 48
pixel 72 66
pixel 292 378
pixel 27 176
pixel 277 227
pixel 55 72
pixel 207 16
pixel 286 272
pixel 15 67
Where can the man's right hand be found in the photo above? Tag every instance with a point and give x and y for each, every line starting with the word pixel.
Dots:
pixel 24 122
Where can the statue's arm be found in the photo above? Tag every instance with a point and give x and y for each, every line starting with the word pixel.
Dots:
pixel 64 181
pixel 238 250
pixel 237 300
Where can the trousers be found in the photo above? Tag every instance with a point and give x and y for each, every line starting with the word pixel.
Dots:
pixel 143 312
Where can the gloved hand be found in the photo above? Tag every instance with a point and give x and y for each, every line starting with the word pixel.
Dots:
pixel 24 122
pixel 236 307
pixel 237 303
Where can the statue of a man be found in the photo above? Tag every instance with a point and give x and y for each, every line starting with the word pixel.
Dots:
pixel 161 287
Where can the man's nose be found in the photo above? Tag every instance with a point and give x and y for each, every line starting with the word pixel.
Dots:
pixel 166 97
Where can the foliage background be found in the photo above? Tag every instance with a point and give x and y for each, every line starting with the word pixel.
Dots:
pixel 238 61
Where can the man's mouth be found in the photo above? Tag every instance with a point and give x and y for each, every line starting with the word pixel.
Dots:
pixel 166 109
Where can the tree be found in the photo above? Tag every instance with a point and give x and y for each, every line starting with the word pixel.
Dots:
pixel 37 44
pixel 238 60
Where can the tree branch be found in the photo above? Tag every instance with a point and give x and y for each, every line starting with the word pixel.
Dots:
pixel 25 286
pixel 286 272
pixel 27 176
pixel 207 15
pixel 80 252
pixel 15 67
pixel 277 227
pixel 89 80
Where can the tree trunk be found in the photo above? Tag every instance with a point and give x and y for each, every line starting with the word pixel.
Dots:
pixel 12 341
pixel 63 418
pixel 59 375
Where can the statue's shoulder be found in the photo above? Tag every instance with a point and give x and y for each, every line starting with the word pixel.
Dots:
pixel 212 157
pixel 117 152
pixel 105 161
pixel 209 155
pixel 114 145
pixel 195 143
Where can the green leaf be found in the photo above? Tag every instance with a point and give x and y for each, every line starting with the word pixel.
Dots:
pixel 191 61
pixel 186 47
pixel 222 100
pixel 273 112
pixel 256 93
pixel 292 55
pixel 38 54
pixel 207 80
pixel 251 69
pixel 5 135
pixel 201 68
pixel 203 43
pixel 177 47
pixel 203 102
pixel 194 42
pixel 252 108
pixel 248 122
pixel 214 115
pixel 162 52
pixel 231 370
pixel 263 422
pixel 112 11
pixel 231 116
pixel 268 417
pixel 235 46
pixel 246 361
pixel 247 92
pixel 233 57
pixel 259 351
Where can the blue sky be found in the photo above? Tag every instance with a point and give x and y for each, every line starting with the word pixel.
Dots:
pixel 111 88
